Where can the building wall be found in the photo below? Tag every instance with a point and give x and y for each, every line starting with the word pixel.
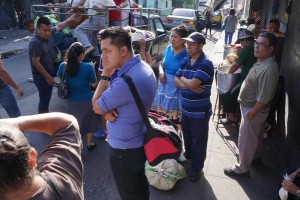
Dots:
pixel 291 70
pixel 166 7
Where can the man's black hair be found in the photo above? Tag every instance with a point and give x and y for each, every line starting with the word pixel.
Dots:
pixel 119 36
pixel 43 20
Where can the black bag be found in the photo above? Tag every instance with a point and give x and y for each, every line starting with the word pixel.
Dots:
pixel 62 87
pixel 158 144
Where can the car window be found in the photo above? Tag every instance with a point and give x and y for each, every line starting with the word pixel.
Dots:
pixel 184 13
pixel 140 22
pixel 159 27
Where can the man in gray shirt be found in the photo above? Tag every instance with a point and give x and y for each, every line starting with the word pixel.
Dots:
pixel 42 56
pixel 255 96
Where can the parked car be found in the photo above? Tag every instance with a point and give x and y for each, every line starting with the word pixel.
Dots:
pixel 193 19
pixel 217 18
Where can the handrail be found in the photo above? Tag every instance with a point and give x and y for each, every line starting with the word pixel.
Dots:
pixel 106 10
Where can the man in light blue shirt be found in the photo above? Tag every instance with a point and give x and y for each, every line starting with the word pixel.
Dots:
pixel 114 100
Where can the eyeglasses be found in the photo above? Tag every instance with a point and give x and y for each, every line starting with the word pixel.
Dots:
pixel 261 44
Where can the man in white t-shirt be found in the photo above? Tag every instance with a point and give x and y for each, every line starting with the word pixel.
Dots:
pixel 87 31
pixel 125 13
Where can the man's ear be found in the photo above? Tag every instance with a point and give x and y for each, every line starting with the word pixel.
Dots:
pixel 32 158
pixel 124 50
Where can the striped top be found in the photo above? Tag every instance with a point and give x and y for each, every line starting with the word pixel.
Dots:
pixel 197 105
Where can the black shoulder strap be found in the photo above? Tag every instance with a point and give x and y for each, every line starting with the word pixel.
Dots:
pixel 137 99
pixel 57 196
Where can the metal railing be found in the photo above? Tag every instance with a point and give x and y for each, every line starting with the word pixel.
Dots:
pixel 51 9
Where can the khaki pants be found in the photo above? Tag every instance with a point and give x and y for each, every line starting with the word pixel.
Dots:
pixel 250 138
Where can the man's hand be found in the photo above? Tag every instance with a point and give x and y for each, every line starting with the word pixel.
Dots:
pixel 290 186
pixel 162 78
pixel 199 89
pixel 251 114
pixel 111 116
pixel 19 91
pixel 50 80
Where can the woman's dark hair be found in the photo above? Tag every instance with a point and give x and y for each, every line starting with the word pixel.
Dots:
pixel 72 58
pixel 232 11
pixel 14 160
pixel 43 20
pixel 181 30
pixel 119 37
pixel 270 36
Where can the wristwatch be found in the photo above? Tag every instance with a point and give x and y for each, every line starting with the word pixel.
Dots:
pixel 106 78
pixel 298 193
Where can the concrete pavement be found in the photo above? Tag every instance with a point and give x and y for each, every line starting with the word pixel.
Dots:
pixel 263 183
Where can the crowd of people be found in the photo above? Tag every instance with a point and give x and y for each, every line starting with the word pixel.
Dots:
pixel 183 95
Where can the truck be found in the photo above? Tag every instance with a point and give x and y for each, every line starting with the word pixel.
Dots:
pixel 143 19
pixel 153 23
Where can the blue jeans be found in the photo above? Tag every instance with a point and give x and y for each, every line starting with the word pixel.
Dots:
pixel 195 134
pixel 228 36
pixel 128 168
pixel 45 92
pixel 9 103
pixel 116 23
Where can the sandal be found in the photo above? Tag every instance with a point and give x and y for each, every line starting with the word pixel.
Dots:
pixel 90 147
pixel 101 134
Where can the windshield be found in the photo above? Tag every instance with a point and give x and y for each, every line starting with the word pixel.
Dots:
pixel 183 13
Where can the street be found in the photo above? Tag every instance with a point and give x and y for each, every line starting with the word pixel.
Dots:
pixel 98 180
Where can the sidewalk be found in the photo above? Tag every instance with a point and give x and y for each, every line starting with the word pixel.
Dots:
pixel 222 151
pixel 264 180
pixel 13 42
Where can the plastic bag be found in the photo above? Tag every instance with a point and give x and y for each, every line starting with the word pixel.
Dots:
pixel 165 175
pixel 283 194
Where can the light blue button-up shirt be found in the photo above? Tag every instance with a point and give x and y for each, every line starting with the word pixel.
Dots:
pixel 128 130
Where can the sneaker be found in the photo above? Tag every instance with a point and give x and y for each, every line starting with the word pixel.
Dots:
pixel 194 176
pixel 101 134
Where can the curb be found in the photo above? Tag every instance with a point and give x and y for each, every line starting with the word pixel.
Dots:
pixel 11 53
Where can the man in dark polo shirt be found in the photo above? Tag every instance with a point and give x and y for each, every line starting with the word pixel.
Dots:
pixel 42 56
pixel 194 78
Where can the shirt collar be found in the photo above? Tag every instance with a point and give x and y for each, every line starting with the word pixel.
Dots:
pixel 129 64
pixel 267 60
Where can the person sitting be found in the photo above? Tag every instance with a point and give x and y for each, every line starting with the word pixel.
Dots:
pixel 58 171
